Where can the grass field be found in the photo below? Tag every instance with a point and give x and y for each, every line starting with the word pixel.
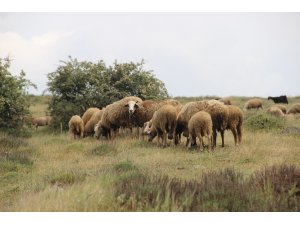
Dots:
pixel 52 172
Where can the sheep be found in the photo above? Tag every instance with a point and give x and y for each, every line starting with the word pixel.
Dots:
pixel 282 108
pixel 254 103
pixel 219 114
pixel 226 101
pixel 41 121
pixel 89 126
pixel 118 114
pixel 88 114
pixel 275 111
pixel 235 122
pixel 294 109
pixel 163 124
pixel 144 113
pixel 200 125
pixel 185 114
pixel 76 126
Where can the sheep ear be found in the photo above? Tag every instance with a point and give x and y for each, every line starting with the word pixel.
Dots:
pixel 136 105
pixel 126 105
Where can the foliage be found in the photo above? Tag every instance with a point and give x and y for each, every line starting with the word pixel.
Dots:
pixel 76 86
pixel 14 105
pixel 264 122
pixel 272 189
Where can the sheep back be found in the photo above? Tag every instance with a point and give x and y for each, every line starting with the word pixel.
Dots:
pixel 294 109
pixel 275 111
pixel 187 111
pixel 200 124
pixel 235 117
pixel 219 114
pixel 254 103
pixel 76 126
pixel 88 114
pixel 164 119
pixel 226 101
pixel 89 126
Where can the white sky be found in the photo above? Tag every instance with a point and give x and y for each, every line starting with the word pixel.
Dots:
pixel 194 54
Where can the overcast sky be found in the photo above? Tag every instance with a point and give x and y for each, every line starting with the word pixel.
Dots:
pixel 194 54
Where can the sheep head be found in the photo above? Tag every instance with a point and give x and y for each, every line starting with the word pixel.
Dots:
pixel 132 106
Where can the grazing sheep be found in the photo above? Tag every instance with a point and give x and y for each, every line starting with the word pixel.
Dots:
pixel 280 99
pixel 275 111
pixel 76 126
pixel 294 109
pixel 118 114
pixel 144 113
pixel 200 125
pixel 41 121
pixel 235 122
pixel 282 108
pixel 254 103
pixel 163 124
pixel 89 126
pixel 226 101
pixel 88 114
pixel 185 114
pixel 147 126
pixel 219 114
pixel 172 102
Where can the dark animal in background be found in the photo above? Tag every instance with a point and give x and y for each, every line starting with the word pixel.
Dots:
pixel 280 99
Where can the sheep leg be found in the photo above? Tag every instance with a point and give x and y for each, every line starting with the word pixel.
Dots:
pixel 164 139
pixel 234 132
pixel 201 143
pixel 239 131
pixel 222 136
pixel 158 136
pixel 189 141
pixel 214 139
pixel 209 143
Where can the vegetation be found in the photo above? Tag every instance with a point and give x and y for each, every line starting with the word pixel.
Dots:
pixel 76 86
pixel 14 104
pixel 53 172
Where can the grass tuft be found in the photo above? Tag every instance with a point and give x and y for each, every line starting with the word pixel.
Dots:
pixel 64 178
pixel 104 149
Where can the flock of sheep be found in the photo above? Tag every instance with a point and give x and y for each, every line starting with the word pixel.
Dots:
pixel 168 119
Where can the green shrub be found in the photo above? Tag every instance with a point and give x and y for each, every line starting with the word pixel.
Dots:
pixel 272 189
pixel 76 86
pixel 264 122
pixel 14 104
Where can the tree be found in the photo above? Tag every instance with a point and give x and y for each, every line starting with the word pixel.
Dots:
pixel 76 86
pixel 14 105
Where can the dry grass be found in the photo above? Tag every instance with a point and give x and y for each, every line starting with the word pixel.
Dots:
pixel 63 174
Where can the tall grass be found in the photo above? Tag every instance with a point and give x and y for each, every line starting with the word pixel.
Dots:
pixel 272 189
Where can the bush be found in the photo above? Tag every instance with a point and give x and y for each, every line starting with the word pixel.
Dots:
pixel 272 189
pixel 14 104
pixel 76 86
pixel 264 122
